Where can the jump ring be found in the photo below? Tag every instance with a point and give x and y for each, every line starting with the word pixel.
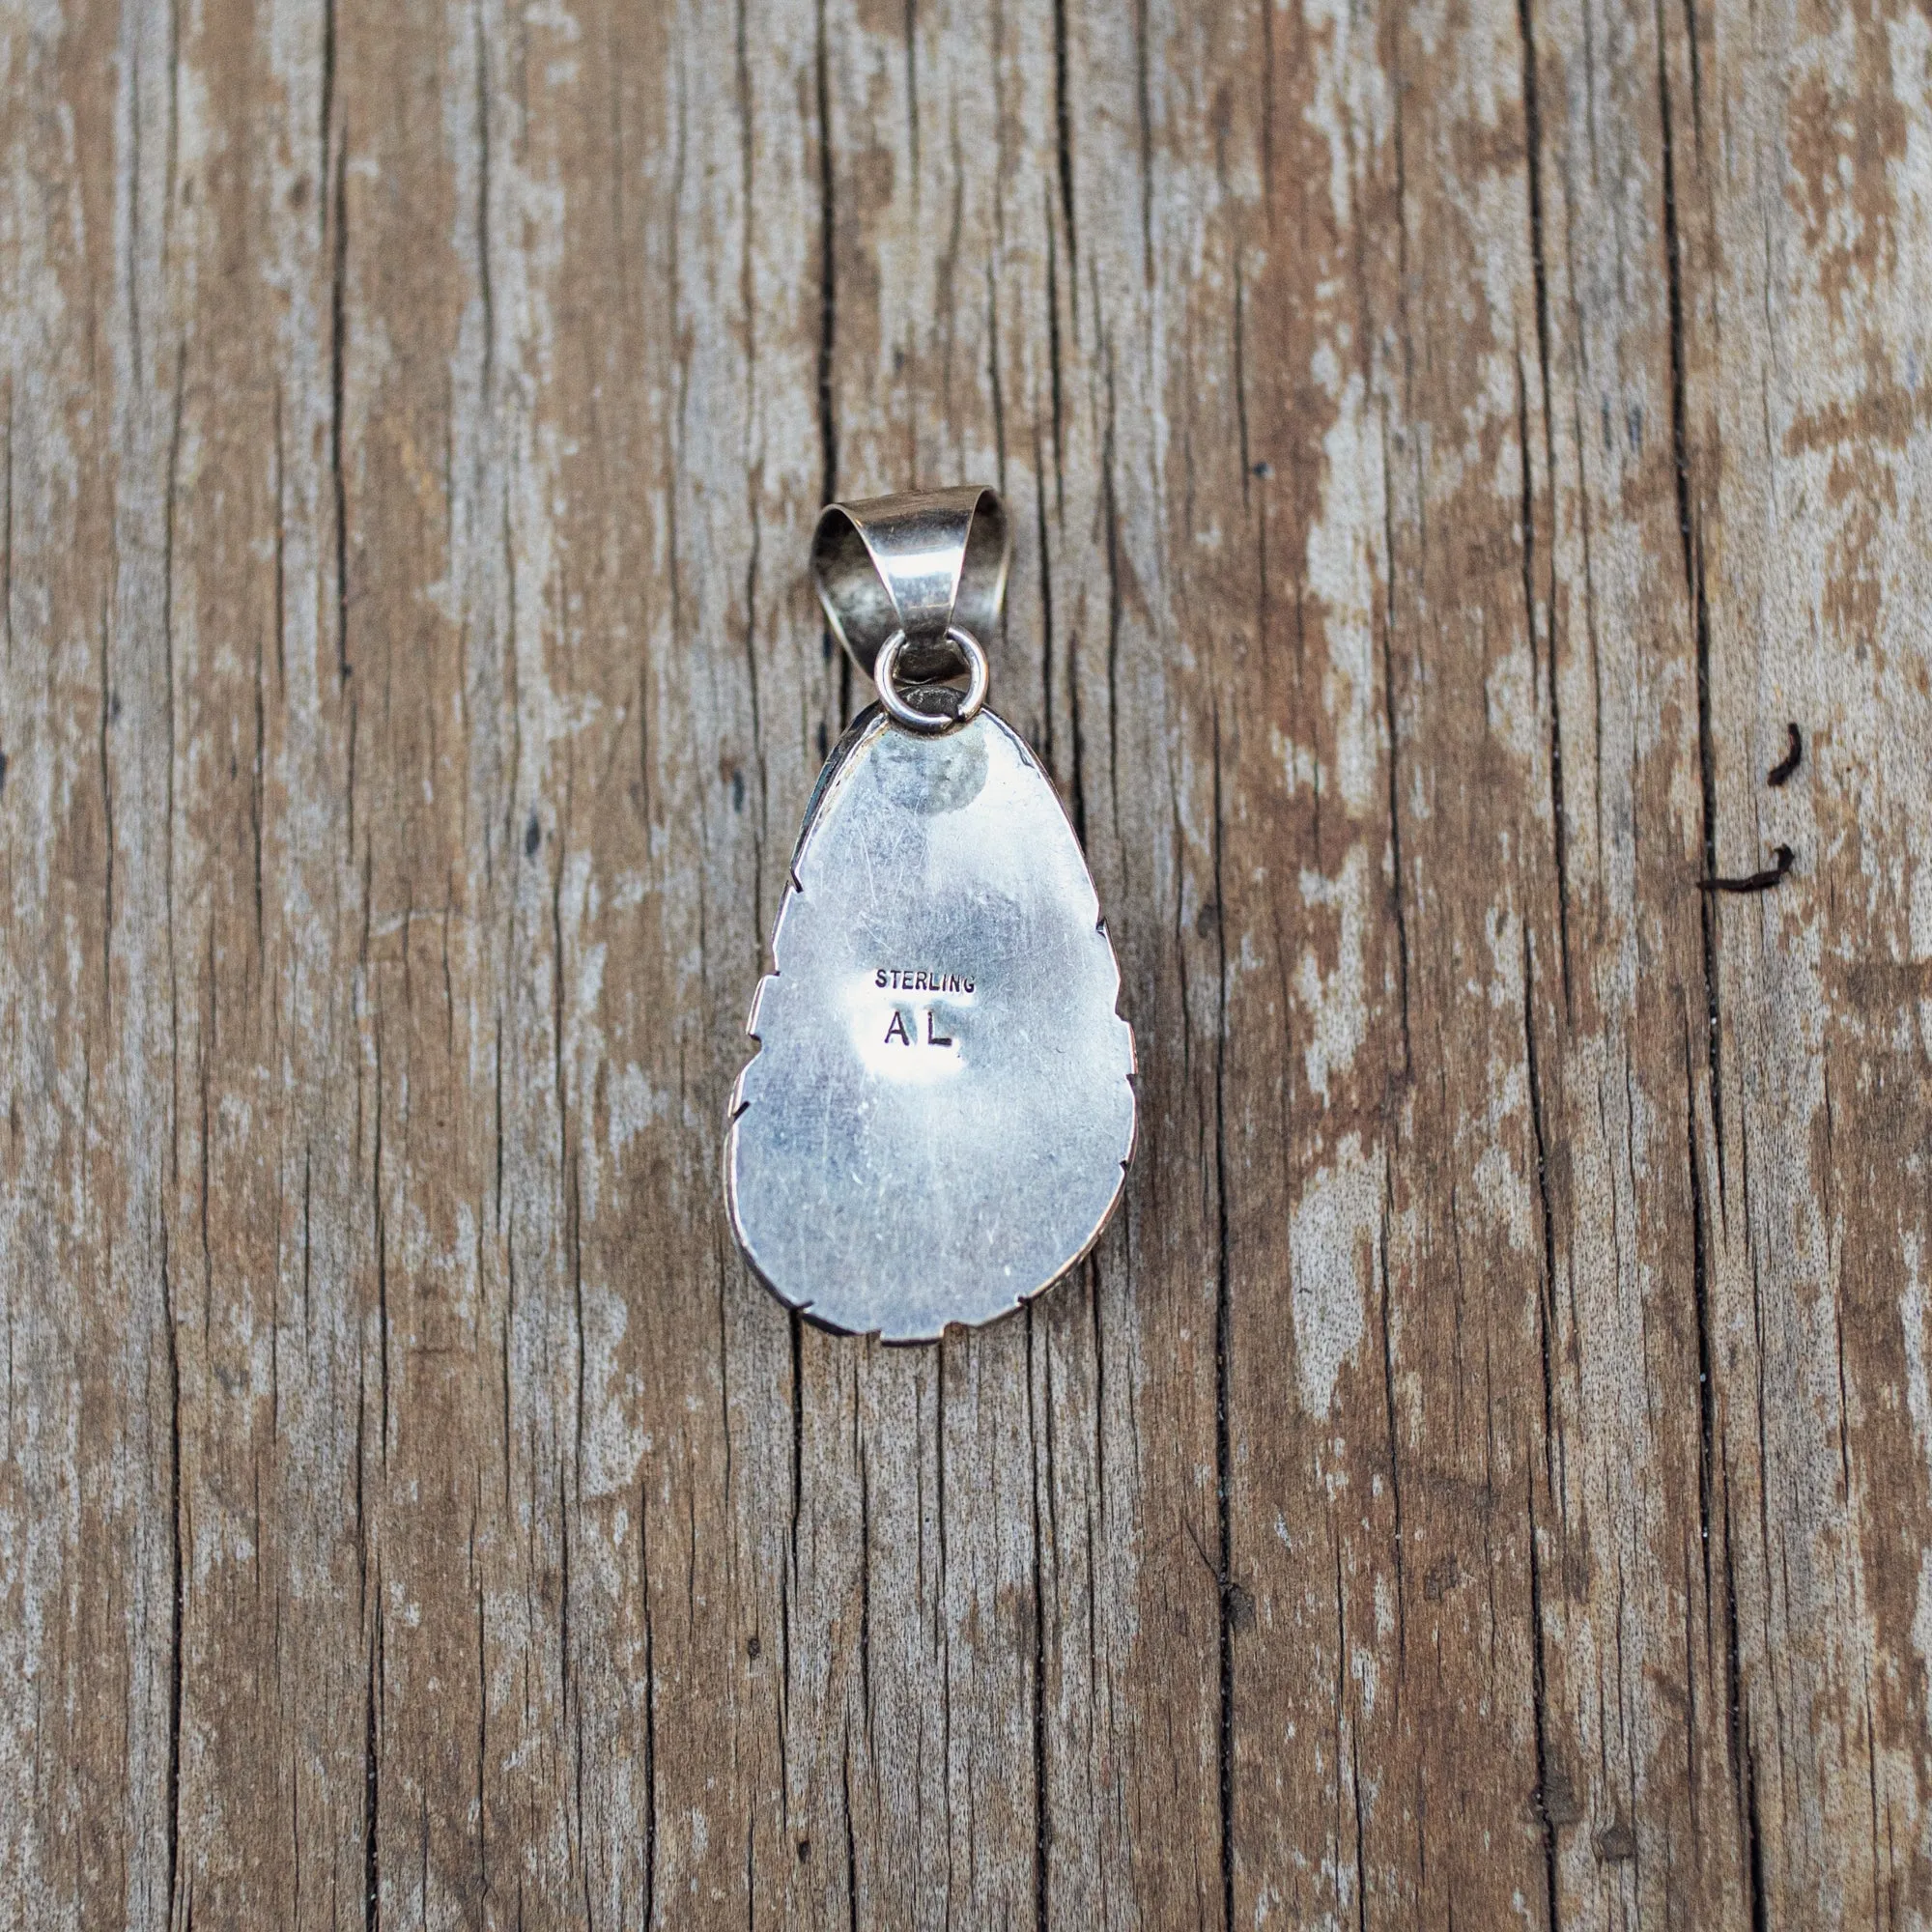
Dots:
pixel 933 723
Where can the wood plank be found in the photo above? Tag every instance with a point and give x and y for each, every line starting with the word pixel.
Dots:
pixel 1485 1471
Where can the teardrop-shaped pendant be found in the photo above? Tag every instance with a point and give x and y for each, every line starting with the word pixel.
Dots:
pixel 938 1120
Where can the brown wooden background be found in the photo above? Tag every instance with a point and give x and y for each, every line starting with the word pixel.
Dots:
pixel 1483 1478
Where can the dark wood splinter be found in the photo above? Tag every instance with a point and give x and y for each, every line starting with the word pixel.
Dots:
pixel 1754 882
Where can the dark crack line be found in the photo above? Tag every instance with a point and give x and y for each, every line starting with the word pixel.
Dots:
pixel 338 342
pixel 372 1780
pixel 650 1715
pixel 1547 1298
pixel 1042 1820
pixel 827 311
pixel 1559 824
pixel 1694 583
pixel 1062 117
pixel 1223 1344
pixel 1700 1292
pixel 1394 750
pixel 1539 1701
pixel 178 1577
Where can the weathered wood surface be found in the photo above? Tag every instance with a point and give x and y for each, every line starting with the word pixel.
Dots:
pixel 1486 1472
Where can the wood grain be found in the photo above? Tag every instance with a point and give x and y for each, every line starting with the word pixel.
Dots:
pixel 1485 1474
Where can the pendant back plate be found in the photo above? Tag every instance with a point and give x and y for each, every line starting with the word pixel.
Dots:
pixel 938 1120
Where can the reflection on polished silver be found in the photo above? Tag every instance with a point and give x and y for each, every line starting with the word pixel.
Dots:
pixel 934 724
pixel 938 1119
pixel 917 564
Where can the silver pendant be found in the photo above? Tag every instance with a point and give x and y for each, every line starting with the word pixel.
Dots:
pixel 938 1120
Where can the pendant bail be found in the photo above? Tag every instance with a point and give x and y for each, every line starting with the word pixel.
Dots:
pixel 924 564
